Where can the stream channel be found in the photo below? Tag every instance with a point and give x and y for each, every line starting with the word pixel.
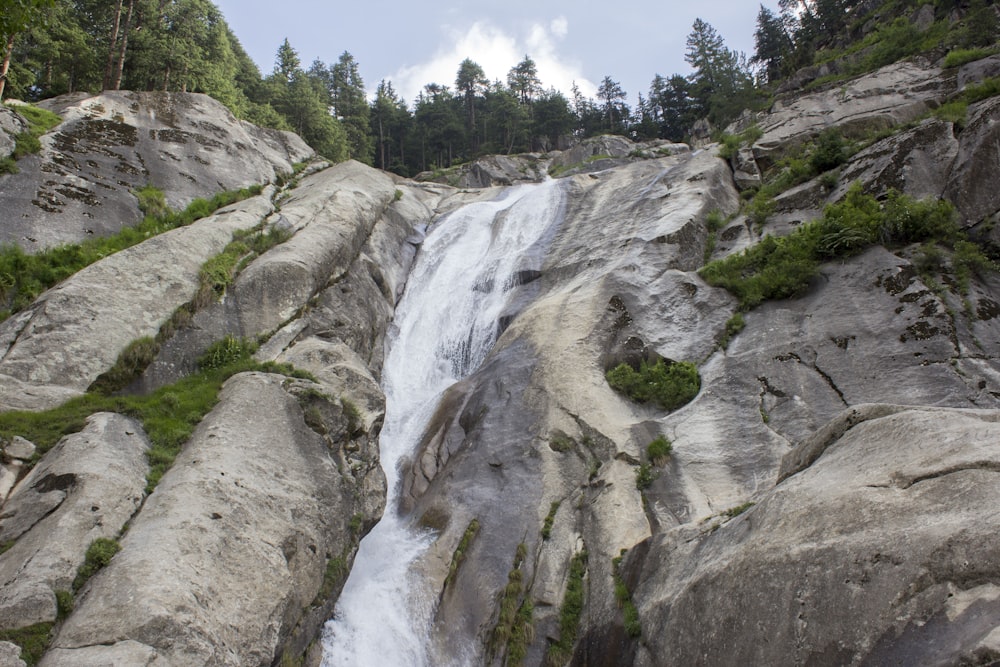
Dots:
pixel 447 321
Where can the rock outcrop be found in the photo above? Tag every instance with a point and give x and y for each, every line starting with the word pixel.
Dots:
pixel 110 144
pixel 830 496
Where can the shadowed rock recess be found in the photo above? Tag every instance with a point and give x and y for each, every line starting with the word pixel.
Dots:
pixel 830 495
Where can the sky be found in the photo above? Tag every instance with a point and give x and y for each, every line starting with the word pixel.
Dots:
pixel 413 44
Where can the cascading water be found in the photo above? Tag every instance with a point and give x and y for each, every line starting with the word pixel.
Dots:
pixel 444 327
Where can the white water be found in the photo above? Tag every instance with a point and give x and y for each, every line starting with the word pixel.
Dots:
pixel 444 327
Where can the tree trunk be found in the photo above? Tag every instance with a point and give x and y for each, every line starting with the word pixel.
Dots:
pixel 121 52
pixel 6 64
pixel 112 45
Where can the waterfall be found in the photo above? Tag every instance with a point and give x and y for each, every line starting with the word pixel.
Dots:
pixel 445 325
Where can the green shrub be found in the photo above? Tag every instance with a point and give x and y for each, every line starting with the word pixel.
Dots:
pixel 99 554
pixel 669 386
pixel 739 509
pixel 959 57
pixel 953 112
pixel 989 87
pixel 152 201
pixel 760 208
pixel 23 277
pixel 830 151
pixel 64 604
pixel 33 640
pixel 645 476
pixel 659 450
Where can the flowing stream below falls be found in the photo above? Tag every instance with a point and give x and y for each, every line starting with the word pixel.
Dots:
pixel 445 325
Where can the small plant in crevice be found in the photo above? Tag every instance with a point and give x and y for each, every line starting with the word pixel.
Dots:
pixel 623 597
pixel 549 520
pixel 99 554
pixel 645 475
pixel 570 612
pixel 739 509
pixel 458 556
pixel 353 416
pixel 514 629
pixel 33 641
pixel 734 325
pixel 131 363
pixel 226 351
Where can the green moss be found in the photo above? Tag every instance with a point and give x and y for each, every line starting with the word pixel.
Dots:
pixel 513 631
pixel 669 386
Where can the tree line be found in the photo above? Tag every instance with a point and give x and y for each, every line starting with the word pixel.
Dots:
pixel 61 46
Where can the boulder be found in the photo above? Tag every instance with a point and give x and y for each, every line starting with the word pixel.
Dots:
pixel 228 555
pixel 88 486
pixel 882 550
pixel 11 125
pixel 108 145
pixel 76 330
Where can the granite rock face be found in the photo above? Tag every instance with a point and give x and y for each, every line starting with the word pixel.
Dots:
pixel 110 144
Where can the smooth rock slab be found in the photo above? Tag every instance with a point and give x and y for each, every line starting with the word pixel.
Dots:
pixel 86 487
pixel 230 548
pixel 76 330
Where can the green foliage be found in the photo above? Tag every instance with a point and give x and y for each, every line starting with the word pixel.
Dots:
pixel 99 554
pixel 659 450
pixel 458 556
pixel 645 476
pixel 226 352
pixel 953 112
pixel 33 640
pixel 830 151
pixel 560 652
pixel 739 509
pixel 152 201
pixel 513 630
pixel 23 277
pixel 734 325
pixel 988 87
pixel 778 268
pixel 64 604
pixel 132 361
pixel 334 575
pixel 959 57
pixel 669 386
pixel 549 520
pixel 623 597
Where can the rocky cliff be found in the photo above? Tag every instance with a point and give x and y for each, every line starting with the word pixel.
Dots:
pixel 828 497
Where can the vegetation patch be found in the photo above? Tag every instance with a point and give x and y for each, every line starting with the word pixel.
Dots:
pixel 23 277
pixel 645 476
pixel 99 554
pixel 33 640
pixel 458 556
pixel 514 630
pixel 739 509
pixel 669 386
pixel 959 57
pixel 778 268
pixel 549 520
pixel 658 451
pixel 734 325
pixel 560 652
pixel 623 597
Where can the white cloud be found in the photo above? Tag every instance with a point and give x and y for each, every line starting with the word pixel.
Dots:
pixel 496 51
